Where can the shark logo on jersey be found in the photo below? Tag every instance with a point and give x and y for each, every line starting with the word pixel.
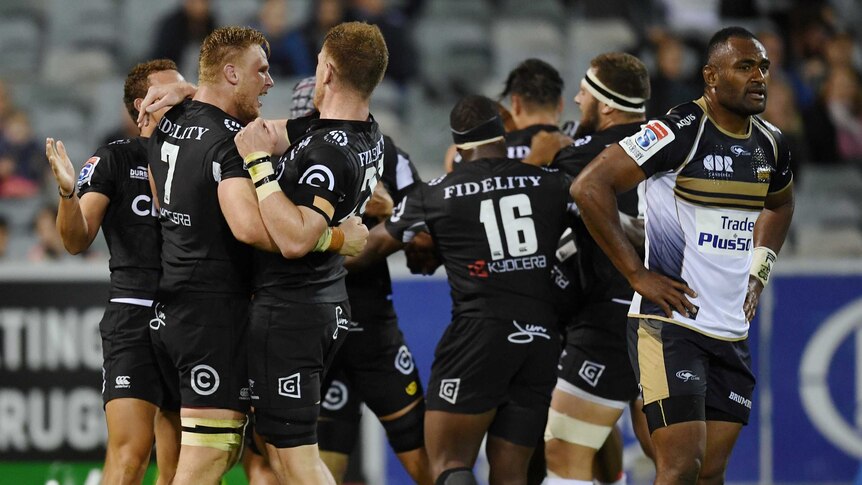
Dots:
pixel 336 137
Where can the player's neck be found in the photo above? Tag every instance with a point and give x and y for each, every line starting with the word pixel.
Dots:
pixel 344 107
pixel 491 150
pixel 218 96
pixel 526 120
pixel 724 118
pixel 617 118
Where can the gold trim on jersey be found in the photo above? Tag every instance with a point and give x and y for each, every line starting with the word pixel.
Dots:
pixel 702 103
pixel 723 188
pixel 782 189
pixel 719 201
pixel 690 327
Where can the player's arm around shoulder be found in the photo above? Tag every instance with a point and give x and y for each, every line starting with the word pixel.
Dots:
pixel 78 219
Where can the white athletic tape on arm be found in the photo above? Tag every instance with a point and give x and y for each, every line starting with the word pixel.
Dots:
pixel 762 262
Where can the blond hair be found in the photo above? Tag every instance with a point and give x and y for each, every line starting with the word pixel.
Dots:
pixel 223 46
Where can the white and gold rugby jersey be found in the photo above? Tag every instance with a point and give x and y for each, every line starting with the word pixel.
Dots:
pixel 705 188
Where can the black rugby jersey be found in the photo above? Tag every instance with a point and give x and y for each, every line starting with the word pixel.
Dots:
pixel 518 142
pixel 704 191
pixel 338 161
pixel 496 223
pixel 600 280
pixel 119 171
pixel 190 153
pixel 373 285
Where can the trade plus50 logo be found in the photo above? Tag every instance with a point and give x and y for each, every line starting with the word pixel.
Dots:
pixel 727 234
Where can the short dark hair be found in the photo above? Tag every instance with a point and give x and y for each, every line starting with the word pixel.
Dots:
pixel 623 73
pixel 471 111
pixel 722 36
pixel 536 81
pixel 137 81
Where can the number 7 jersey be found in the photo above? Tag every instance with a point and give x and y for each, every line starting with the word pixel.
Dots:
pixel 496 224
pixel 190 153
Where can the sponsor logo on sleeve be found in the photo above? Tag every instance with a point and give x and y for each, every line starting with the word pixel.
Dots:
pixel 87 170
pixel 404 361
pixel 336 137
pixel 232 125
pixel 648 141
pixel 138 173
pixel 319 176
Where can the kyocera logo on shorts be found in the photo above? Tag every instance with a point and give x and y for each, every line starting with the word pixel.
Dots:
pixel 651 134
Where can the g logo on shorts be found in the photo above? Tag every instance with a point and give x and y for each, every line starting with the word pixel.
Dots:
pixel 205 380
pixel 591 372
pixel 336 396
pixel 289 386
pixel 404 361
pixel 449 389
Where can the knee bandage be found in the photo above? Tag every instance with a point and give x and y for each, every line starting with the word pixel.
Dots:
pixel 575 431
pixel 221 434
pixel 406 433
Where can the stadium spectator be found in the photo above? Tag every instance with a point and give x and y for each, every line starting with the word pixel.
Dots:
pixel 403 56
pixel 18 143
pixel 181 32
pixel 834 124
pixel 289 55
pixel 672 81
pixel 49 244
pixel 306 40
pixel 4 237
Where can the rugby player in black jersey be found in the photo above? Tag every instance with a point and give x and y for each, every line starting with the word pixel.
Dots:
pixel 300 312
pixel 496 223
pixel 719 201
pixel 208 210
pixel 595 381
pixel 535 93
pixel 113 192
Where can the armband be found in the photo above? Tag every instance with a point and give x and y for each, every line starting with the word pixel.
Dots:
pixel 762 263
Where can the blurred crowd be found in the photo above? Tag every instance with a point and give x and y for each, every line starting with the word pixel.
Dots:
pixel 815 90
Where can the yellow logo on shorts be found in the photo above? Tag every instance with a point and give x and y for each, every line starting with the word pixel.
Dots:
pixel 411 388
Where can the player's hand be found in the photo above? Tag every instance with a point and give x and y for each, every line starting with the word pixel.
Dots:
pixel 257 136
pixel 62 167
pixel 380 204
pixel 668 294
pixel 544 147
pixel 355 236
pixel 163 96
pixel 421 254
pixel 752 298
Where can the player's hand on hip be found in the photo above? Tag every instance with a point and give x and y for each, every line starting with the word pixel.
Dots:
pixel 62 167
pixel 163 96
pixel 665 292
pixel 752 298
pixel 257 136
pixel 380 204
pixel 355 236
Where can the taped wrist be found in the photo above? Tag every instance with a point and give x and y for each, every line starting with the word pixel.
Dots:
pixel 337 240
pixel 323 241
pixel 762 263
pixel 259 166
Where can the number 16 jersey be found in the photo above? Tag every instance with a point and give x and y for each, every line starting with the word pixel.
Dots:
pixel 496 224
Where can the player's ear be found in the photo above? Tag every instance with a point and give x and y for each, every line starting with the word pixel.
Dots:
pixel 560 106
pixel 710 75
pixel 517 104
pixel 137 103
pixel 230 73
pixel 328 70
pixel 605 109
